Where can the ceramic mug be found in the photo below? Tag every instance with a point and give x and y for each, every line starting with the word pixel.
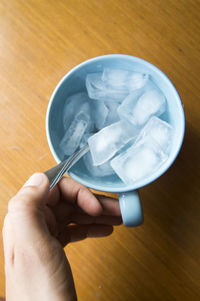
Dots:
pixel 73 82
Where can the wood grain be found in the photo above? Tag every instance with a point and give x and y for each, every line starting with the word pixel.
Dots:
pixel 40 41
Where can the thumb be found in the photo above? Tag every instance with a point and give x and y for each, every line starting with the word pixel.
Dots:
pixel 26 209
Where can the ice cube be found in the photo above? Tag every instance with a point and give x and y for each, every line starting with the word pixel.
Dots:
pixel 71 105
pixel 85 138
pixel 71 140
pixel 137 81
pixel 101 90
pixel 112 115
pixel 149 104
pixel 104 144
pixel 159 130
pixel 99 113
pixel 98 171
pixel 138 107
pixel 85 108
pixel 124 79
pixel 139 161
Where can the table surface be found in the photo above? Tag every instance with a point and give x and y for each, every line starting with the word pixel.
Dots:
pixel 42 40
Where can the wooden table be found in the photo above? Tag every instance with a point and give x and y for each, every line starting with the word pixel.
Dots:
pixel 40 41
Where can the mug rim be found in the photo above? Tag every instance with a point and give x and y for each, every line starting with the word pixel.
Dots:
pixel 150 178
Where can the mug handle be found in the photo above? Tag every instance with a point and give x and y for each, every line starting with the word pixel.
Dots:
pixel 131 209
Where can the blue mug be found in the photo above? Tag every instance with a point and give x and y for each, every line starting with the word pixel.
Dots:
pixel 73 82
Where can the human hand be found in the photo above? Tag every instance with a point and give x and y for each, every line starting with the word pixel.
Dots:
pixel 39 223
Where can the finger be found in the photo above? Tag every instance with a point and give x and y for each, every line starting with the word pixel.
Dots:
pixel 63 211
pixel 53 196
pixel 84 219
pixel 76 193
pixel 32 195
pixel 26 209
pixel 76 232
pixel 110 206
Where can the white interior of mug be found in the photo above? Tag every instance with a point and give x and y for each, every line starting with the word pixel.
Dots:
pixel 74 82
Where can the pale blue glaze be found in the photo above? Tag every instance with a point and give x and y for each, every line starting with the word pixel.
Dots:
pixel 130 206
pixel 73 82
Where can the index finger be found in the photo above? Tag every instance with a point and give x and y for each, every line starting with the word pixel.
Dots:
pixel 110 205
pixel 79 195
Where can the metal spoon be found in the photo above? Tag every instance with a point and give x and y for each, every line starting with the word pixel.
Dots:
pixel 56 173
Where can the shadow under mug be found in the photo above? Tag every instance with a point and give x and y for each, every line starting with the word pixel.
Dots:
pixel 73 82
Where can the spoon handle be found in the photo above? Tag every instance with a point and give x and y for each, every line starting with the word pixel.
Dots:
pixel 55 173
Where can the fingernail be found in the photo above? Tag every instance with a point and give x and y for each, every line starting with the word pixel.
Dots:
pixel 35 180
